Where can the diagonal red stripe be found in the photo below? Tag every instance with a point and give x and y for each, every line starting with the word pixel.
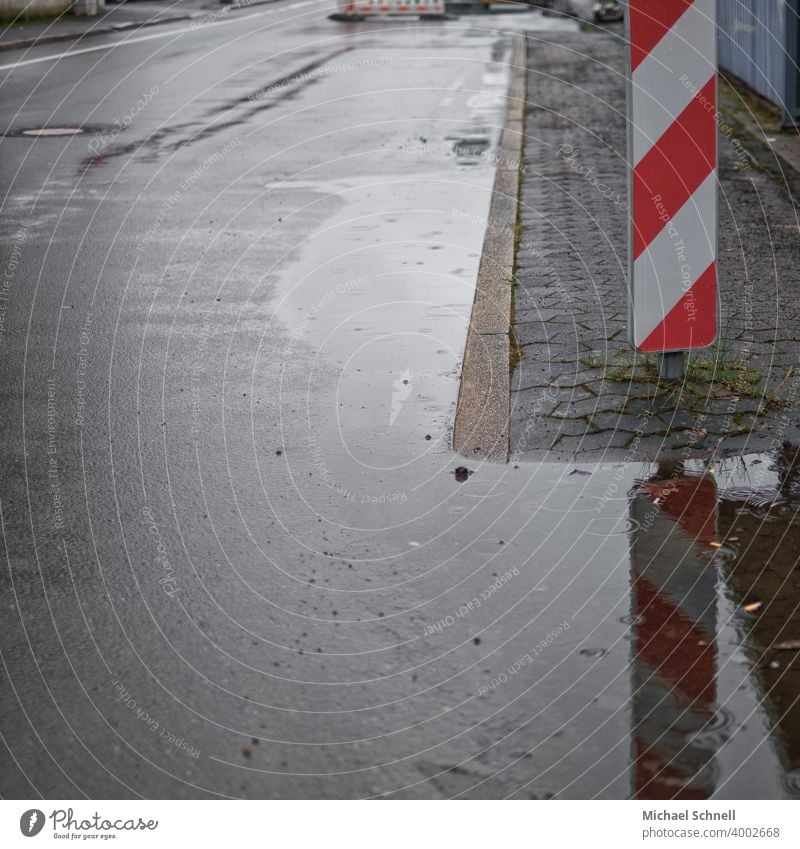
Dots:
pixel 673 169
pixel 692 322
pixel 661 775
pixel 649 22
pixel 680 650
pixel 689 501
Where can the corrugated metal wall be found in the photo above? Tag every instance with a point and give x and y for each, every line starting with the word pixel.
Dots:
pixel 758 43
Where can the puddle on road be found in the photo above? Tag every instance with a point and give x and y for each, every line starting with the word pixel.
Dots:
pixel 714 599
pixel 641 645
pixel 381 293
pixel 675 670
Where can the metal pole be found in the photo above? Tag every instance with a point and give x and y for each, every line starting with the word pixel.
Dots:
pixel 671 365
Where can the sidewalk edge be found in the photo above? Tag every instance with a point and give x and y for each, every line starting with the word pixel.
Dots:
pixel 23 43
pixel 482 413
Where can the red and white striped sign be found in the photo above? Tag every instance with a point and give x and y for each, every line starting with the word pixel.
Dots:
pixel 672 146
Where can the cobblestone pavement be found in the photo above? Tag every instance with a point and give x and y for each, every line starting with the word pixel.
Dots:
pixel 579 392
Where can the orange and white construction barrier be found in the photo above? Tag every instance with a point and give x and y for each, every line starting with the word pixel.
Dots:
pixel 404 8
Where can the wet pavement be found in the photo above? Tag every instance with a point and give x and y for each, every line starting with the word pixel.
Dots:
pixel 241 558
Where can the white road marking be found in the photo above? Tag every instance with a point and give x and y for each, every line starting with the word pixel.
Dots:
pixel 110 46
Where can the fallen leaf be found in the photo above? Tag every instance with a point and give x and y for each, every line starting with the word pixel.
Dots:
pixel 715 544
pixel 752 607
pixel 787 645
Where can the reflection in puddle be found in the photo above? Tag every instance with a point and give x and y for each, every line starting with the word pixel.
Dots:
pixel 695 544
pixel 673 596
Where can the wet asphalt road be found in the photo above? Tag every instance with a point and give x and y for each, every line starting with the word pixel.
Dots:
pixel 238 561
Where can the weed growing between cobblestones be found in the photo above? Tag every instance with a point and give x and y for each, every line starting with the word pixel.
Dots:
pixel 714 374
pixel 514 351
pixel 733 375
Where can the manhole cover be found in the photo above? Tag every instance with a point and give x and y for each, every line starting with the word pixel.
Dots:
pixel 52 131
pixel 55 132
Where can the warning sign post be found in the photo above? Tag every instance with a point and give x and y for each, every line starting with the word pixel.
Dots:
pixel 672 185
